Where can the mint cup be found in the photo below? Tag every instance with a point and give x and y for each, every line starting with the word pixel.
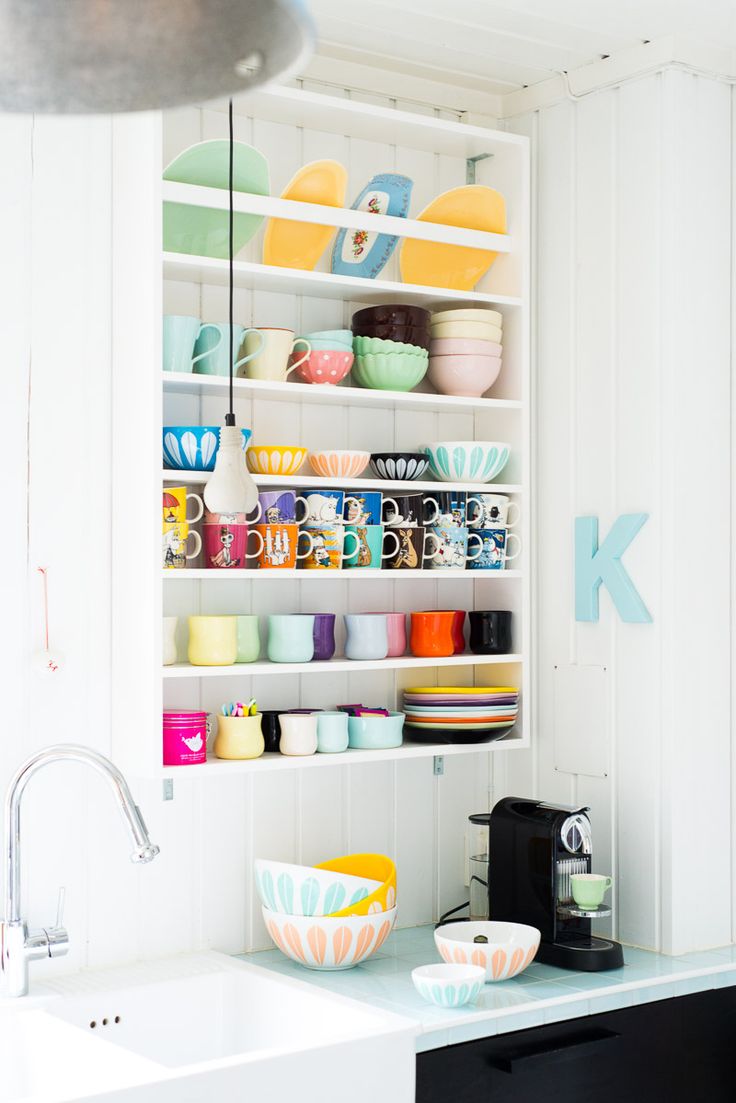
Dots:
pixel 588 889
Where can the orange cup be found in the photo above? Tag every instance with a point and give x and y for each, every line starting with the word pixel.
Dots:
pixel 432 634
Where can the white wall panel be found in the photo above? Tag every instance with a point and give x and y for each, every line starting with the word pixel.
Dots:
pixel 633 414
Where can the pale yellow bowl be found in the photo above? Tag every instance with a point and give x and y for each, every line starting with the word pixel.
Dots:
pixel 275 459
pixel 377 867
pixel 468 314
pixel 474 331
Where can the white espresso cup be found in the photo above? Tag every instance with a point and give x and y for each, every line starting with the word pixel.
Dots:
pixel 272 362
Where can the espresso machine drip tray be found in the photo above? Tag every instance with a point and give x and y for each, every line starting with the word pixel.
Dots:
pixel 583 913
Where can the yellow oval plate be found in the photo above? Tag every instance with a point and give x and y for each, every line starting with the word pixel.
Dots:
pixel 300 244
pixel 458 266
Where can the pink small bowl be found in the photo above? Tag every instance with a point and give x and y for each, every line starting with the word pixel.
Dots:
pixel 345 464
pixel 465 376
pixel 463 346
pixel 325 366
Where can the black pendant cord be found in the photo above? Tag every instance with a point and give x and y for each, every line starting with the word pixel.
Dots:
pixel 230 416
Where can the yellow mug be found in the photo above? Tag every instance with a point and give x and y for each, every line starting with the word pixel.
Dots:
pixel 239 737
pixel 213 641
pixel 174 506
pixel 175 539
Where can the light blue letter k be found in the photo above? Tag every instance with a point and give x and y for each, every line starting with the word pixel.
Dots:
pixel 594 565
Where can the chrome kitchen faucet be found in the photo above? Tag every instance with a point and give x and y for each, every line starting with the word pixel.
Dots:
pixel 19 945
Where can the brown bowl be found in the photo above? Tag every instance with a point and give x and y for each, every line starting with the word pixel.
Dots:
pixel 409 335
pixel 397 314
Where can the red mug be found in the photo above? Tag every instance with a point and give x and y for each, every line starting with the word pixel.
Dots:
pixel 226 545
pixel 458 628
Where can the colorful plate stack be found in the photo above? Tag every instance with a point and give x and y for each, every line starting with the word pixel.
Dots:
pixel 460 714
pixel 465 351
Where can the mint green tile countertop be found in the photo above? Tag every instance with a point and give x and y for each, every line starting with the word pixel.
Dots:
pixel 542 994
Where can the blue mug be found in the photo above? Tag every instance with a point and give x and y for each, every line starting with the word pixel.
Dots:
pixel 494 550
pixel 365 507
pixel 212 349
pixel 456 547
pixel 180 334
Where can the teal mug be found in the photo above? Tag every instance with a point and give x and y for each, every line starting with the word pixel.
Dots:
pixel 369 554
pixel 212 353
pixel 291 638
pixel 180 335
pixel 332 732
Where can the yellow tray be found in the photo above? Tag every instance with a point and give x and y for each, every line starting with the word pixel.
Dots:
pixel 482 690
pixel 300 244
pixel 457 266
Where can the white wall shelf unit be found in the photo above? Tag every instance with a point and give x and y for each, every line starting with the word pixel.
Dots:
pixel 333 666
pixel 308 393
pixel 199 478
pixel 203 574
pixel 292 127
pixel 321 285
pixel 269 762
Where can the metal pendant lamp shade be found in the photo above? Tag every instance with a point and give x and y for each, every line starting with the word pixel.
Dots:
pixel 103 56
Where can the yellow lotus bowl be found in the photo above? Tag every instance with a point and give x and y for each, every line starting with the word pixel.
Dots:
pixel 376 867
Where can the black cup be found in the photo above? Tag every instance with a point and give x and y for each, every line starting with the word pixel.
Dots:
pixel 490 631
pixel 271 729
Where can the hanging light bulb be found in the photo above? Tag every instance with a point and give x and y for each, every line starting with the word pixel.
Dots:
pixel 230 489
pixel 88 56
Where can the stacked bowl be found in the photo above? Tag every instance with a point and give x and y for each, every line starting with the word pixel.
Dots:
pixel 330 359
pixel 465 351
pixel 391 346
pixel 460 714
pixel 330 916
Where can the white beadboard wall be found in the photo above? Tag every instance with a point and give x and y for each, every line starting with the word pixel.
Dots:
pixel 632 349
pixel 55 482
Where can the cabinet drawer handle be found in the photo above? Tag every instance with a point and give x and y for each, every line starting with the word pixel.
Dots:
pixel 521 1054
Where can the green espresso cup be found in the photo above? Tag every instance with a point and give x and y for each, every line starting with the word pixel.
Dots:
pixel 588 889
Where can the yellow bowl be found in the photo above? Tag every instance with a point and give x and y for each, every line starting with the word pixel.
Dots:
pixel 275 459
pixel 377 867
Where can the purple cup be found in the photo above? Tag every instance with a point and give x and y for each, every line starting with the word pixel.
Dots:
pixel 324 636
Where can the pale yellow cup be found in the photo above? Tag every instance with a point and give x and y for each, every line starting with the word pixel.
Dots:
pixel 213 641
pixel 239 737
pixel 272 362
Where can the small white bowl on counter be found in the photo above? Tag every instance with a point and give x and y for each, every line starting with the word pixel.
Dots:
pixel 449 985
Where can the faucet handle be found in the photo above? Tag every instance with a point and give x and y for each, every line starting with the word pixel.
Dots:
pixel 57 937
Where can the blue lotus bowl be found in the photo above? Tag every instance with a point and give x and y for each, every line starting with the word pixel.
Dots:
pixel 474 461
pixel 194 447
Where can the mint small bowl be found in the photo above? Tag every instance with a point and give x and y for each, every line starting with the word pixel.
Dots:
pixel 389 371
pixel 449 985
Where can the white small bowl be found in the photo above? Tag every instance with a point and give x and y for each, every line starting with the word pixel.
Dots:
pixel 510 949
pixel 449 985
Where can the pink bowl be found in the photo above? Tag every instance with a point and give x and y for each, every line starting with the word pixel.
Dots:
pixel 339 464
pixel 465 376
pixel 325 366
pixel 463 346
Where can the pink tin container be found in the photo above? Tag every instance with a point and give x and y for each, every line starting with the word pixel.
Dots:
pixel 185 737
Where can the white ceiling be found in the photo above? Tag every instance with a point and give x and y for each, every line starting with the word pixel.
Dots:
pixel 498 46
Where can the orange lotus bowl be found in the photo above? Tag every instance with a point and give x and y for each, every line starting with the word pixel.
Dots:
pixel 339 465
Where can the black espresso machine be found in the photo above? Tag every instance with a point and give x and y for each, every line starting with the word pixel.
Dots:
pixel 533 849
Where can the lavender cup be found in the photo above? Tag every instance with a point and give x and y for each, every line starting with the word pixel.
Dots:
pixel 324 636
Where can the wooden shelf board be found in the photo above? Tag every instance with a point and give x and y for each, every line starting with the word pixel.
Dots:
pixel 197 574
pixel 195 478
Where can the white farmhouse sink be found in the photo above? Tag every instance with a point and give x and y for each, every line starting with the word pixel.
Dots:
pixel 206 1027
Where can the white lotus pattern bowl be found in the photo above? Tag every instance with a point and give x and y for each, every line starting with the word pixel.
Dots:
pixel 467 460
pixel 449 985
pixel 303 890
pixel 329 942
pixel 510 947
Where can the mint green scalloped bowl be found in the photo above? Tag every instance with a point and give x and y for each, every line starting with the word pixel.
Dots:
pixel 392 371
pixel 363 346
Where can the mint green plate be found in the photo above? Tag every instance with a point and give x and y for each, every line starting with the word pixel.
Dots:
pixel 203 231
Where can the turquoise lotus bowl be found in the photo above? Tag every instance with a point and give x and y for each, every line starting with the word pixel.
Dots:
pixel 449 985
pixel 472 461
pixel 193 447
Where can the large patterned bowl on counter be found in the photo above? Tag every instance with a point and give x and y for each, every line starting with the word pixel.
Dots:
pixel 508 950
pixel 303 890
pixel 326 941
pixel 473 461
pixel 193 447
